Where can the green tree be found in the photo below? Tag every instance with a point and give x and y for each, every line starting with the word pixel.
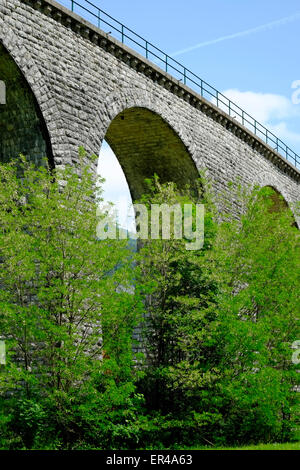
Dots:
pixel 221 321
pixel 61 288
pixel 180 307
pixel 218 325
pixel 255 262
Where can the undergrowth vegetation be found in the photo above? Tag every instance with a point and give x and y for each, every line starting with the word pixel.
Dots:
pixel 217 324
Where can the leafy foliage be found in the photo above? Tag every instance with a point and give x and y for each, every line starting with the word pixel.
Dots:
pixel 221 322
pixel 217 323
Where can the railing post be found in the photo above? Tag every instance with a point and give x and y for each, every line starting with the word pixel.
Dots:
pixel 72 5
pixel 122 29
pixel 146 49
pixel 166 63
pixel 99 18
pixel 184 75
pixel 243 118
pixel 217 95
pixel 201 88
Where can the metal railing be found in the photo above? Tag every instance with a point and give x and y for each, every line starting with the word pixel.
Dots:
pixel 108 24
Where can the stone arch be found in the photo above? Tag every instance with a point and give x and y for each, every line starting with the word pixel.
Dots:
pixel 146 139
pixel 281 198
pixel 45 105
pixel 279 203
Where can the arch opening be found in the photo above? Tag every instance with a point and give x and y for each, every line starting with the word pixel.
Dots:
pixel 22 126
pixel 145 144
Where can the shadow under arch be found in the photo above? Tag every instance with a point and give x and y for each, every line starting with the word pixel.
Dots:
pixel 278 202
pixel 268 179
pixel 22 125
pixel 144 144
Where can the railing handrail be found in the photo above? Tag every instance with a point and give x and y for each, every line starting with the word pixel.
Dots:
pixel 100 17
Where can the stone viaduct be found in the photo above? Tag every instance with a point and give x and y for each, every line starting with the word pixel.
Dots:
pixel 69 83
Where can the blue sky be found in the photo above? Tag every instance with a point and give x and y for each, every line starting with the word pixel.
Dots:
pixel 255 69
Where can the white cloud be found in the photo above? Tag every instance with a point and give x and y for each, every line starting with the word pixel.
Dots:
pixel 285 134
pixel 110 169
pixel 276 112
pixel 115 187
pixel 264 107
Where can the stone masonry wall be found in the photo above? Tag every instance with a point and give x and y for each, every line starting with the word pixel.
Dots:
pixel 83 79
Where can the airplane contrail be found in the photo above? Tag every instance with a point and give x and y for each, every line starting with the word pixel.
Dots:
pixel 257 29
